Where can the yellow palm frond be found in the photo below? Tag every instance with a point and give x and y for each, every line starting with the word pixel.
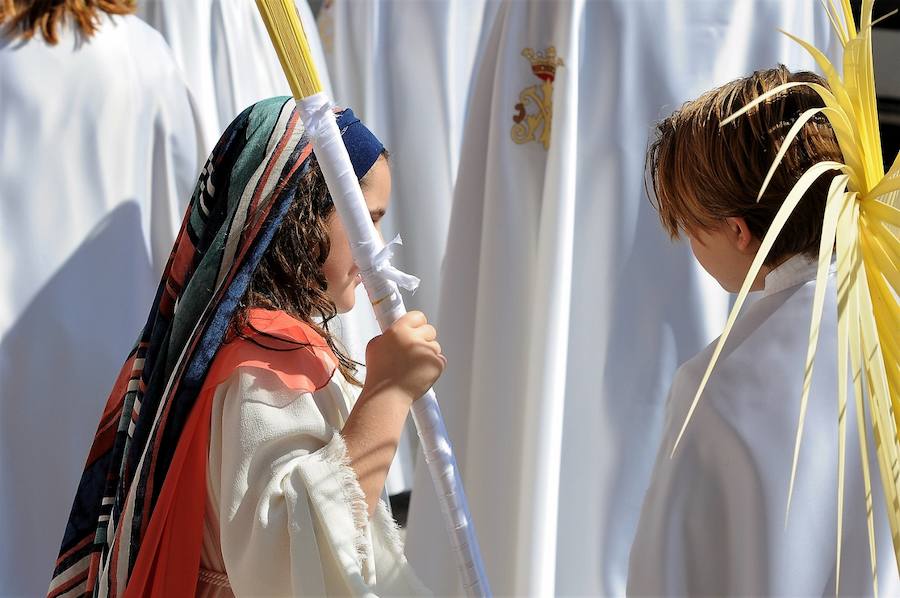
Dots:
pixel 291 45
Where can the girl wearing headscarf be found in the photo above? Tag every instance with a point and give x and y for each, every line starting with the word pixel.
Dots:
pixel 232 457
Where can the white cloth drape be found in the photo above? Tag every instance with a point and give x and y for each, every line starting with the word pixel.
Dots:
pixel 404 67
pixel 713 520
pixel 564 308
pixel 226 55
pixel 98 158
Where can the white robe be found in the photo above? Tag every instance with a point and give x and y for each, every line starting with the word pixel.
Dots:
pixel 564 308
pixel 285 513
pixel 226 55
pixel 713 520
pixel 98 159
pixel 405 68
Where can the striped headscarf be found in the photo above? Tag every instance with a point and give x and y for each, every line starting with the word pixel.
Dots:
pixel 243 192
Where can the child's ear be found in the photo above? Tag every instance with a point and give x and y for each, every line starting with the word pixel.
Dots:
pixel 740 234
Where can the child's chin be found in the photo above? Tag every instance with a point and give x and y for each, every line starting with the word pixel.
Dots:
pixel 346 304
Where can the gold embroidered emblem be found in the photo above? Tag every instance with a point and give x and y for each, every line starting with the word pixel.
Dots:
pixel 528 124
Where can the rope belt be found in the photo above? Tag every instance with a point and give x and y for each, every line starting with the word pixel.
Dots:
pixel 214 578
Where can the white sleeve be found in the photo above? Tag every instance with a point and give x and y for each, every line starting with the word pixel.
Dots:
pixel 292 515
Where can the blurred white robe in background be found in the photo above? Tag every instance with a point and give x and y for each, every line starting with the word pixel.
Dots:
pixel 227 57
pixel 99 153
pixel 405 68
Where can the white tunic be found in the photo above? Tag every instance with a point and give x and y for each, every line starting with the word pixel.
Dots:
pixel 98 159
pixel 713 521
pixel 285 513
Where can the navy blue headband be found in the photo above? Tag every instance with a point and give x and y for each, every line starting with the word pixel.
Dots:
pixel 362 145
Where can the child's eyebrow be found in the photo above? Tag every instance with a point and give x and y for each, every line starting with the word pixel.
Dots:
pixel 377 214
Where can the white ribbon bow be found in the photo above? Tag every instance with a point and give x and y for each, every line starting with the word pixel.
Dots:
pixel 381 265
pixel 314 122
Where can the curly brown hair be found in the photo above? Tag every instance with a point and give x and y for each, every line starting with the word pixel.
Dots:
pixel 701 173
pixel 289 276
pixel 25 18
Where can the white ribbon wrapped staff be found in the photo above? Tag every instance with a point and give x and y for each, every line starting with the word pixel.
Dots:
pixel 381 281
pixel 380 278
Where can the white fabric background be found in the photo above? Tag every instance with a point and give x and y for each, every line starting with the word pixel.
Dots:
pixel 98 157
pixel 404 67
pixel 564 309
pixel 226 55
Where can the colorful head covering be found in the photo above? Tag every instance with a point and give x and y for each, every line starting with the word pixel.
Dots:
pixel 243 192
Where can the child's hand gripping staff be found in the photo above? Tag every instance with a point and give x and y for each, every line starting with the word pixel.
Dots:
pixel 379 277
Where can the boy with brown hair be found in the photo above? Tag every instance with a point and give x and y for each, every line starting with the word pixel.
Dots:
pixel 713 522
